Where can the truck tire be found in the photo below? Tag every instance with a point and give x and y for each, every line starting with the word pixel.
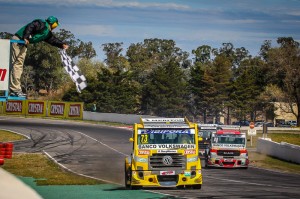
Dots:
pixel 127 177
pixel 198 186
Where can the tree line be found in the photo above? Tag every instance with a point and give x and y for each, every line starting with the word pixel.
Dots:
pixel 156 77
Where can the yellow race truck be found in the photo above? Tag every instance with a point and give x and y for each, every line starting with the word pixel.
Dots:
pixel 165 154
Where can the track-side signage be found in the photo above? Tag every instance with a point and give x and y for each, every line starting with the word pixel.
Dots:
pixel 4 63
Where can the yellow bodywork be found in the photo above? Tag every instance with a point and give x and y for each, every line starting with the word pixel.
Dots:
pixel 138 173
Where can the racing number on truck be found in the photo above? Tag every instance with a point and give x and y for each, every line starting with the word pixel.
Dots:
pixel 144 138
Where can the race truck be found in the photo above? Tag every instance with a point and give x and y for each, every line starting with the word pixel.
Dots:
pixel 228 149
pixel 165 154
pixel 205 132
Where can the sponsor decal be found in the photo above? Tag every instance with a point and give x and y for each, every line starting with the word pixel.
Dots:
pixel 14 106
pixel 74 110
pixel 166 151
pixel 228 153
pixel 57 109
pixel 187 173
pixel 166 173
pixel 167 146
pixel 191 151
pixel 163 131
pixel 163 119
pixel 228 145
pixel 144 152
pixel 2 74
pixel 35 107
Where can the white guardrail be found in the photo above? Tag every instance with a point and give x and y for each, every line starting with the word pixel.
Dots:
pixel 283 150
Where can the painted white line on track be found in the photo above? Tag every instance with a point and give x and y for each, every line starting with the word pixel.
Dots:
pixel 101 143
pixel 66 168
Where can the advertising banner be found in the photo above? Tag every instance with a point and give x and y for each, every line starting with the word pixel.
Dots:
pixel 56 109
pixel 74 110
pixel 4 63
pixel 36 108
pixel 14 107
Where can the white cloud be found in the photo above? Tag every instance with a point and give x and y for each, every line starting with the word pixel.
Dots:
pixel 91 30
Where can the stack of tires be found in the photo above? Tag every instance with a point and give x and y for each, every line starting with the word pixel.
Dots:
pixel 6 150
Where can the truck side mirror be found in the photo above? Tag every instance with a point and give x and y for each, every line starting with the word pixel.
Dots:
pixel 130 139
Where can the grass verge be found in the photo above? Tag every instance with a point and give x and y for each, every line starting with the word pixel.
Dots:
pixel 267 162
pixel 6 136
pixel 45 171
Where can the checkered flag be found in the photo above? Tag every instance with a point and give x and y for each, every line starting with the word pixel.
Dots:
pixel 73 71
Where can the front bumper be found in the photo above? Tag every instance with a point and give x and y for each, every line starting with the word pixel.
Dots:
pixel 148 179
pixel 228 162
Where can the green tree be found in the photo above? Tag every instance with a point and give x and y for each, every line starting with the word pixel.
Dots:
pixel 201 87
pixel 221 74
pixel 47 65
pixel 114 58
pixel 152 53
pixel 77 48
pixel 27 78
pixel 116 92
pixel 247 89
pixel 165 93
pixel 283 64
pixel 202 54
pixel 5 35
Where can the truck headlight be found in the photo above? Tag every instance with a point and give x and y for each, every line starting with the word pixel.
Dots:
pixel 192 159
pixel 142 160
pixel 244 155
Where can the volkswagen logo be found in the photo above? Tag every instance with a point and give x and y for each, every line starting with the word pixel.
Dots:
pixel 167 160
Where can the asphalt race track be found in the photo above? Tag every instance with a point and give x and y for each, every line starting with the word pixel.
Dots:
pixel 99 151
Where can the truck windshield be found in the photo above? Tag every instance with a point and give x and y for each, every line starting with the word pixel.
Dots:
pixel 166 136
pixel 205 134
pixel 228 139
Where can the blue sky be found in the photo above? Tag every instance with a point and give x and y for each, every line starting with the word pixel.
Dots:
pixel 190 23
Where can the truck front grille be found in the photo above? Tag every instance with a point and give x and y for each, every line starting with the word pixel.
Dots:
pixel 167 178
pixel 228 153
pixel 176 161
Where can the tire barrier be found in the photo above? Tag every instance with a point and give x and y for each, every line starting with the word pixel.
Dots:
pixel 6 151
pixel 1 161
pixel 2 150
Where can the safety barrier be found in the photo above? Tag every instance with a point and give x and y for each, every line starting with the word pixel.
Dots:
pixel 283 150
pixel 40 108
pixel 113 117
pixel 6 151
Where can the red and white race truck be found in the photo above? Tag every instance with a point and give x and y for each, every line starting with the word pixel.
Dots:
pixel 228 149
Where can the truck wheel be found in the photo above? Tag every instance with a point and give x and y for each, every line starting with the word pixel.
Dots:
pixel 127 178
pixel 180 187
pixel 136 187
pixel 198 186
